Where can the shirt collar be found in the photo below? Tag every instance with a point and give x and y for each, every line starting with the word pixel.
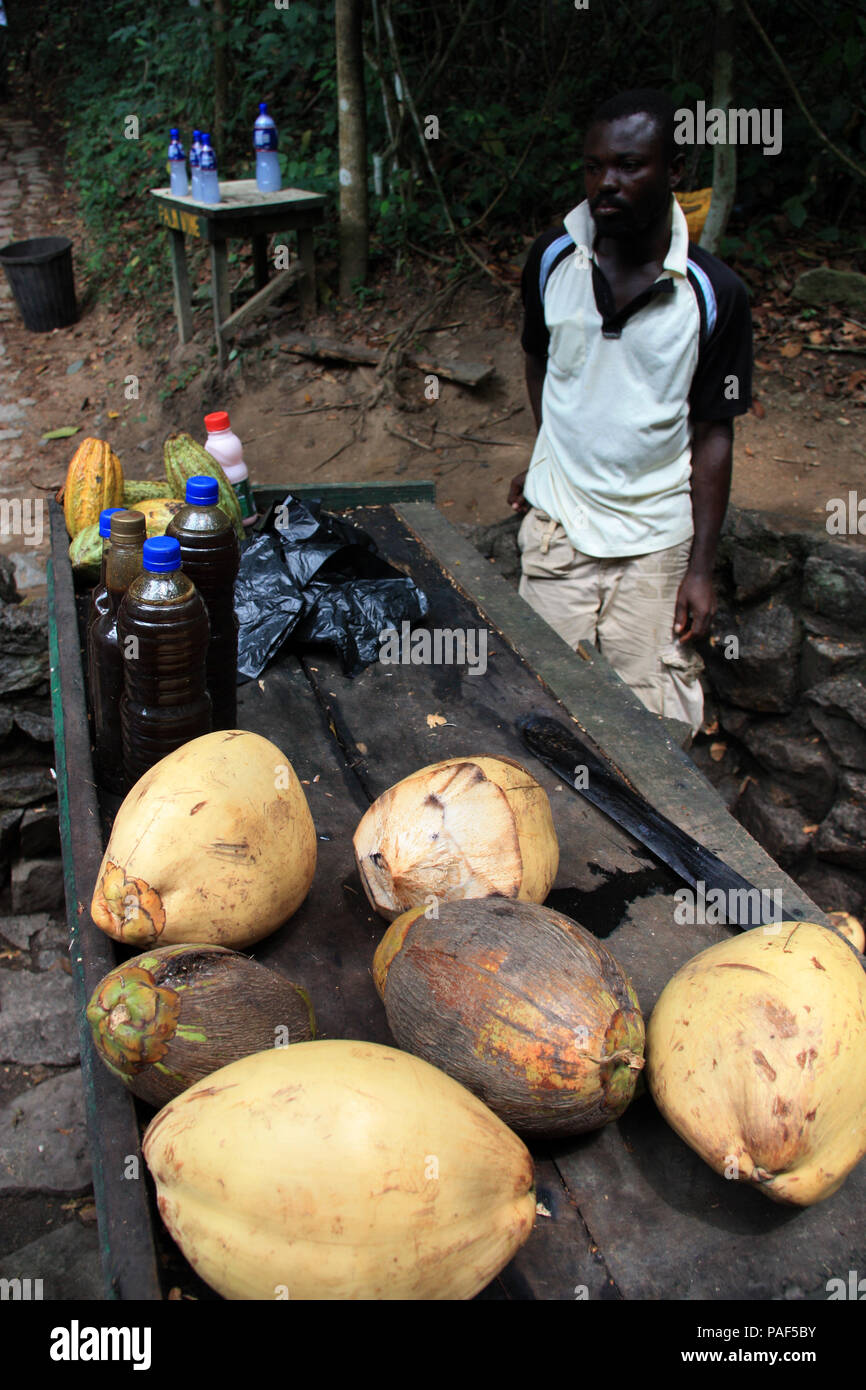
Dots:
pixel 581 228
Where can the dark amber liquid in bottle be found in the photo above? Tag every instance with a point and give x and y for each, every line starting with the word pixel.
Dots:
pixel 210 557
pixel 163 630
pixel 105 666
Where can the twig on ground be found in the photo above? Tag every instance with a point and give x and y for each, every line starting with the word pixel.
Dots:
pixel 398 434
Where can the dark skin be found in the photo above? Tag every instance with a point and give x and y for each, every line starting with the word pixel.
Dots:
pixel 629 183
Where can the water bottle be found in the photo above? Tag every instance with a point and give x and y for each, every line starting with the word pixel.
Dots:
pixel 268 178
pixel 194 152
pixel 223 445
pixel 209 188
pixel 209 556
pixel 104 659
pixel 177 165
pixel 164 632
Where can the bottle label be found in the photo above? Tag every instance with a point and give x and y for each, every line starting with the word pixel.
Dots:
pixel 243 492
pixel 264 138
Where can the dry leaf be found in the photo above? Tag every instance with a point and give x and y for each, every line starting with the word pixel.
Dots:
pixel 434 720
pixel 750 452
pixel 809 829
pixel 758 409
pixel 817 335
pixel 791 349
pixel 718 751
pixel 711 728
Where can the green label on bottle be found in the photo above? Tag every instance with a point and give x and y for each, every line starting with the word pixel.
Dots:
pixel 244 494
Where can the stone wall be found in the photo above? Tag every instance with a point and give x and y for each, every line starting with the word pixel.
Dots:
pixel 31 874
pixel 785 740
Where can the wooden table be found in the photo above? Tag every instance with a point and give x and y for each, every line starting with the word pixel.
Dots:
pixel 632 1211
pixel 247 213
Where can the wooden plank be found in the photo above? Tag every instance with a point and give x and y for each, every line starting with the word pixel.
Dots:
pixel 125 1236
pixel 241 196
pixel 606 709
pixel 327 349
pixel 269 294
pixel 180 285
pixel 337 496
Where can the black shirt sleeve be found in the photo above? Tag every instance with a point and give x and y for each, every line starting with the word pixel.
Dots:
pixel 722 384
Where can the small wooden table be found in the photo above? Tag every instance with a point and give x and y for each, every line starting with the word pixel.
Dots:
pixel 243 212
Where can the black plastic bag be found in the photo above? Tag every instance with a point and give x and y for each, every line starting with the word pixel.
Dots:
pixel 317 579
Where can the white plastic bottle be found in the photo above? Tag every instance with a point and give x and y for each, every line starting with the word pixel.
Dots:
pixel 268 179
pixel 223 445
pixel 208 181
pixel 177 165
pixel 194 153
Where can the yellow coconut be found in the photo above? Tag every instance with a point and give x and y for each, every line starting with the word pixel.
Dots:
pixel 464 828
pixel 339 1170
pixel 850 926
pixel 756 1056
pixel 215 843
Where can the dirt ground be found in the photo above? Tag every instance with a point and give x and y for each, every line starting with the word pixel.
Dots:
pixel 802 444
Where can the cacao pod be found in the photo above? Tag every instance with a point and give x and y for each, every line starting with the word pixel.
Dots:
pixel 185 459
pixel 158 512
pixel 140 490
pixel 85 552
pixel 94 480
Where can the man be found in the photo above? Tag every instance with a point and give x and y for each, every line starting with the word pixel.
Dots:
pixel 638 356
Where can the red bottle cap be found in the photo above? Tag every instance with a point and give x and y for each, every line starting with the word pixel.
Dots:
pixel 219 420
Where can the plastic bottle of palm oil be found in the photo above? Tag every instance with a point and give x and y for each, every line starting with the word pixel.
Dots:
pixel 104 660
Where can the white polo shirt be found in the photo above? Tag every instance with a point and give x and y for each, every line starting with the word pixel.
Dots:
pixel 612 461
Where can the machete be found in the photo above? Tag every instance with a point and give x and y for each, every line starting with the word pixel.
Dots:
pixel 560 749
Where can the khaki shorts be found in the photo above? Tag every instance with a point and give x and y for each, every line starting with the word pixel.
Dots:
pixel 623 607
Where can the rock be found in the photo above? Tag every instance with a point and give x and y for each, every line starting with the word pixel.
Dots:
pixel 49 945
pixel 8 591
pixel 37 885
pixel 39 832
pixel 836 592
pixel 837 708
pixel 841 836
pixel 66 1260
pixel 43 1139
pixel 37 726
pixel 798 760
pixel 759 670
pixel 23 646
pixel 825 286
pixel 20 929
pixel 823 657
pixel 769 812
pixel 732 719
pixel 756 575
pixel 10 822
pixel 38 1021
pixel 29 787
pixel 834 889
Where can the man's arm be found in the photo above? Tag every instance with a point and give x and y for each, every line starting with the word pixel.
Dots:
pixel 712 451
pixel 535 370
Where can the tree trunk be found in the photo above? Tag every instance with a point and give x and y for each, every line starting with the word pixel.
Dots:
pixel 354 227
pixel 221 14
pixel 724 156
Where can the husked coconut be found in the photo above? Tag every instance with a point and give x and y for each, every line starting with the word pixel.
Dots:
pixel 756 1056
pixel 339 1170
pixel 464 828
pixel 215 843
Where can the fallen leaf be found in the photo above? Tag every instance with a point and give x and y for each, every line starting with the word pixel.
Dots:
pixel 750 452
pixel 434 720
pixel 718 751
pixel 63 432
pixel 113 414
pixel 711 728
pixel 758 409
pixel 791 349
pixel 809 829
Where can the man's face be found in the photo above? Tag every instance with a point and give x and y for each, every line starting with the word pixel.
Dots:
pixel 628 181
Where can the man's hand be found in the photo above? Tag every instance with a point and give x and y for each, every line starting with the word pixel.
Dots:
pixel 696 606
pixel 516 500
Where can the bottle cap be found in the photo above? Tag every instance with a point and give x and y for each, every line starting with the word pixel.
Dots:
pixel 218 420
pixel 105 520
pixel 128 526
pixel 196 135
pixel 161 555
pixel 263 108
pixel 174 132
pixel 202 490
pixel 205 137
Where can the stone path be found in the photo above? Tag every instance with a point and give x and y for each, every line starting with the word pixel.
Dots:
pixel 25 184
pixel 47 1217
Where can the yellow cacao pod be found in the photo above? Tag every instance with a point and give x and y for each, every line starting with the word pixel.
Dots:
pixel 94 480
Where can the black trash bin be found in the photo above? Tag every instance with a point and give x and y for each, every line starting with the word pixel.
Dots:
pixel 40 276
